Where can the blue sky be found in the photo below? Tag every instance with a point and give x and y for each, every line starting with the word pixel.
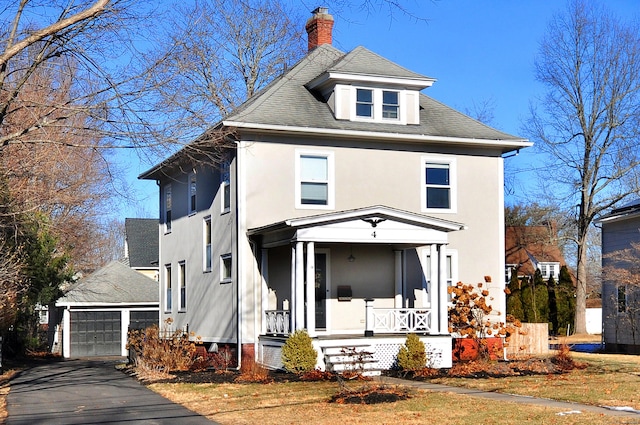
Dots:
pixel 478 50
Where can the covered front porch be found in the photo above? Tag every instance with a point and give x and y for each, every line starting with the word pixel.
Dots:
pixel 376 273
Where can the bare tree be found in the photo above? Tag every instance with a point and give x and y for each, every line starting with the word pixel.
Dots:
pixel 217 55
pixel 588 122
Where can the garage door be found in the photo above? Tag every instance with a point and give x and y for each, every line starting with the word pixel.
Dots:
pixel 143 319
pixel 96 333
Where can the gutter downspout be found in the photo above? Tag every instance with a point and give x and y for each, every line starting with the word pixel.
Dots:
pixel 238 262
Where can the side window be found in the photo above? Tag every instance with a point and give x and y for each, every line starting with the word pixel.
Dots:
pixel 167 208
pixel 206 237
pixel 192 193
pixel 622 298
pixel 183 285
pixel 225 268
pixel 225 184
pixel 439 185
pixel 167 287
pixel 451 269
pixel 314 187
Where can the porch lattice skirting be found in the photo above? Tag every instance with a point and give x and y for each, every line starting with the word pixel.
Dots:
pixel 383 349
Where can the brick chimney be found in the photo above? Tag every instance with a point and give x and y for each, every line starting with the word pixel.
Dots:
pixel 319 27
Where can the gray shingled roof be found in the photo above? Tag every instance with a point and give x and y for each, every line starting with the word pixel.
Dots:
pixel 361 61
pixel 115 283
pixel 142 240
pixel 287 102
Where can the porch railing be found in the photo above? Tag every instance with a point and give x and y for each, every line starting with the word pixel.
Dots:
pixel 401 320
pixel 278 322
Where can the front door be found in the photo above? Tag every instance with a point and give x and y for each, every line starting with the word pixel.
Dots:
pixel 321 290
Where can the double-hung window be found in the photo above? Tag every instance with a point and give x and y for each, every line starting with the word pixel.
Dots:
pixel 379 105
pixel 390 105
pixel 451 268
pixel 167 287
pixel 167 208
pixel 439 185
pixel 314 187
pixel 225 184
pixel 206 237
pixel 183 285
pixel 192 193
pixel 364 103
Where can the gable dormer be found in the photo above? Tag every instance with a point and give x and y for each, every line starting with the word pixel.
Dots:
pixel 363 86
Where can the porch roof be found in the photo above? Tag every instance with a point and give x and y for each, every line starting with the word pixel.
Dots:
pixel 375 224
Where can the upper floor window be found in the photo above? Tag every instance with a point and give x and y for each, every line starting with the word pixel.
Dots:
pixel 167 208
pixel 314 175
pixel 549 270
pixel 207 244
pixel 377 104
pixel 225 184
pixel 390 105
pixel 364 103
pixel 192 193
pixel 439 189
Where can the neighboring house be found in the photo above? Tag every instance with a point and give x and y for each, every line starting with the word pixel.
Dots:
pixel 99 309
pixel 346 206
pixel 620 300
pixel 531 248
pixel 141 245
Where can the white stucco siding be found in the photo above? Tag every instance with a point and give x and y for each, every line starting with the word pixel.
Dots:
pixel 185 243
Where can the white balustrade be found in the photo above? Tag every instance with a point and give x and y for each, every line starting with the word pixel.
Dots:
pixel 278 322
pixel 401 320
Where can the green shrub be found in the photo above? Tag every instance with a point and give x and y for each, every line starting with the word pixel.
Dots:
pixel 298 354
pixel 412 355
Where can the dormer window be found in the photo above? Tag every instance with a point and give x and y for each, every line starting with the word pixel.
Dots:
pixel 377 104
pixel 390 105
pixel 364 103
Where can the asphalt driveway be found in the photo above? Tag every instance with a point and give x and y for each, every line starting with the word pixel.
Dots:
pixel 89 392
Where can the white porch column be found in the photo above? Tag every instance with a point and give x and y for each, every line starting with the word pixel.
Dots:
pixel 292 299
pixel 398 279
pixel 433 277
pixel 299 291
pixel 264 293
pixel 443 295
pixel 311 289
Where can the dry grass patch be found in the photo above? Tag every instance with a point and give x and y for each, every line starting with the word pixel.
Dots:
pixel 308 402
pixel 607 380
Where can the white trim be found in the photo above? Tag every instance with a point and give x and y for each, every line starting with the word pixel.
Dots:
pixel 509 145
pixel 451 162
pixel 415 82
pixel 331 180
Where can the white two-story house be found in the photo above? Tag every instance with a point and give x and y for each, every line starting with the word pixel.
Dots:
pixel 344 202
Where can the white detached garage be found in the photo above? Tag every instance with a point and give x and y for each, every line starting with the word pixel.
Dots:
pixel 99 309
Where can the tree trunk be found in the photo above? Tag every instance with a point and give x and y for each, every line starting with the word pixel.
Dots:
pixel 581 288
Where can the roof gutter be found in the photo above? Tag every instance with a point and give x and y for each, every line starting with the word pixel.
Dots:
pixel 506 144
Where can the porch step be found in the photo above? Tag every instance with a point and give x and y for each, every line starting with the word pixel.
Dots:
pixel 350 358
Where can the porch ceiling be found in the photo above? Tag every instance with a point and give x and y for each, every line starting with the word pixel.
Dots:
pixel 377 224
